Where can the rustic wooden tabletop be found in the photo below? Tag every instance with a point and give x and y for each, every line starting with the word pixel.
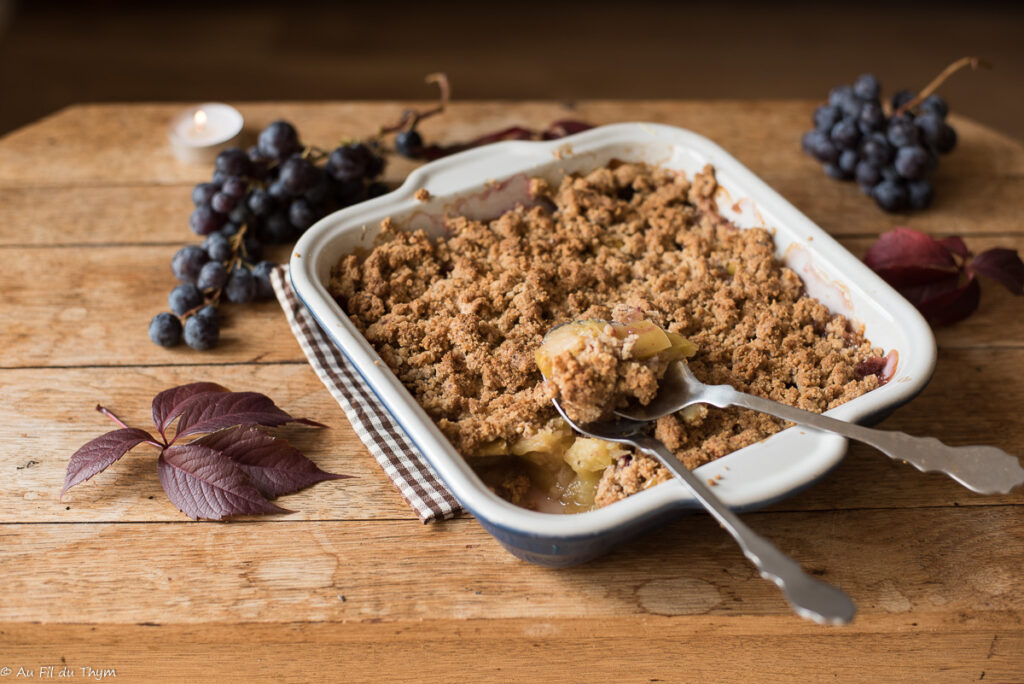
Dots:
pixel 352 587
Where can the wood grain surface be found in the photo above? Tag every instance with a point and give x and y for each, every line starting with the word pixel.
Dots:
pixel 351 587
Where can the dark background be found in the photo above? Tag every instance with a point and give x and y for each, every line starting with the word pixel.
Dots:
pixel 56 53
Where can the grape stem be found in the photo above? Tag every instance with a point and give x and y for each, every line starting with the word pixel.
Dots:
pixel 959 64
pixel 410 117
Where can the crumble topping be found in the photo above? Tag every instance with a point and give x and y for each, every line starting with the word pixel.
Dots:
pixel 458 319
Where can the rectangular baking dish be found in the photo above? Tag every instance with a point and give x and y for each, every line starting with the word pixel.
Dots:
pixel 484 182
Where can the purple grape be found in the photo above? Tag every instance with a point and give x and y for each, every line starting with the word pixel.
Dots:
pixel 260 202
pixel 301 214
pixel 890 195
pixel 298 175
pixel 947 139
pixel 279 140
pixel 204 220
pixel 203 193
pixel 236 187
pixel 233 161
pixel 218 247
pixel 867 175
pixel 900 98
pixel 223 203
pixel 241 286
pixel 202 333
pixel 920 194
pixel 935 104
pixel 212 276
pixel 165 330
pixel 847 163
pixel 822 148
pixel 875 150
pixel 409 144
pixel 350 162
pixel 871 118
pixel 208 312
pixel 901 132
pixel 844 134
pixel 187 261
pixel 277 229
pixel 261 272
pixel 866 87
pixel 185 297
pixel 912 162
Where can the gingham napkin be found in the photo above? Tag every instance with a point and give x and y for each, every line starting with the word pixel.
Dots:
pixel 402 462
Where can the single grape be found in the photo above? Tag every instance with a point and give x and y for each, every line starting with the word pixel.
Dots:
pixel 260 202
pixel 317 194
pixel 912 162
pixel 875 150
pixel 187 261
pixel 866 87
pixel 920 194
pixel 201 333
pixel 203 193
pixel 261 272
pixel 889 173
pixel 822 148
pixel 848 163
pixel 935 104
pixel 209 312
pixel 236 187
pixel 930 126
pixel 240 214
pixel 277 229
pixel 871 117
pixel 301 214
pixel 252 248
pixel 233 161
pixel 229 229
pixel 185 297
pixel 212 276
pixel 900 98
pixel 219 177
pixel 376 165
pixel 241 286
pixel 350 162
pixel 298 175
pixel 947 139
pixel 833 171
pixel 349 193
pixel 867 175
pixel 901 131
pixel 409 144
pixel 838 94
pixel 278 191
pixel 165 330
pixel 279 140
pixel 223 203
pixel 844 134
pixel 218 247
pixel 890 195
pixel 204 220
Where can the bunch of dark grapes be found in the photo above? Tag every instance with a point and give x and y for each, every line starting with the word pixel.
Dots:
pixel 269 194
pixel 890 157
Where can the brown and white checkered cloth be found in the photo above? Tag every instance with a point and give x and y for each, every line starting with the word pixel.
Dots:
pixel 403 463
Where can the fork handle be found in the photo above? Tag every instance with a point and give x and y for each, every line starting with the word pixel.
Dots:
pixel 809 597
pixel 983 469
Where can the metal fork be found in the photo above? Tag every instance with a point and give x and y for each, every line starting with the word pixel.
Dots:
pixel 983 469
pixel 809 597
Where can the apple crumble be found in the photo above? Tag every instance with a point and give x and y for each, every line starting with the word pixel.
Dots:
pixel 460 319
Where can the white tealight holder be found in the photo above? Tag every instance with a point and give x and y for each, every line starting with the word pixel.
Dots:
pixel 200 132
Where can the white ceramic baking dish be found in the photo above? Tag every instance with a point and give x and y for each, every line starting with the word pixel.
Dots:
pixel 482 183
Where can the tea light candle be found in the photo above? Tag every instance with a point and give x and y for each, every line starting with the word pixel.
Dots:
pixel 200 132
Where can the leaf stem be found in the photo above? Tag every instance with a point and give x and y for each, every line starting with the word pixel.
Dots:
pixel 110 414
pixel 973 62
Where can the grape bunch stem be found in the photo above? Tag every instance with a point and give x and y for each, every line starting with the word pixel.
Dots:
pixel 974 62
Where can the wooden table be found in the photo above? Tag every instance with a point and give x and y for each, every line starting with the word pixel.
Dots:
pixel 352 587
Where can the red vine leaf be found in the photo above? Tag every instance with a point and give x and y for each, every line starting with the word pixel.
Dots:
pixel 204 483
pixel 956 245
pixel 905 257
pixel 212 411
pixel 1002 264
pixel 946 301
pixel 273 465
pixel 95 456
pixel 169 404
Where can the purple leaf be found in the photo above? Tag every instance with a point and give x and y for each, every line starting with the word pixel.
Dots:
pixel 945 302
pixel 215 411
pixel 169 404
pixel 1002 264
pixel 956 245
pixel 203 483
pixel 273 465
pixel 905 257
pixel 95 456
